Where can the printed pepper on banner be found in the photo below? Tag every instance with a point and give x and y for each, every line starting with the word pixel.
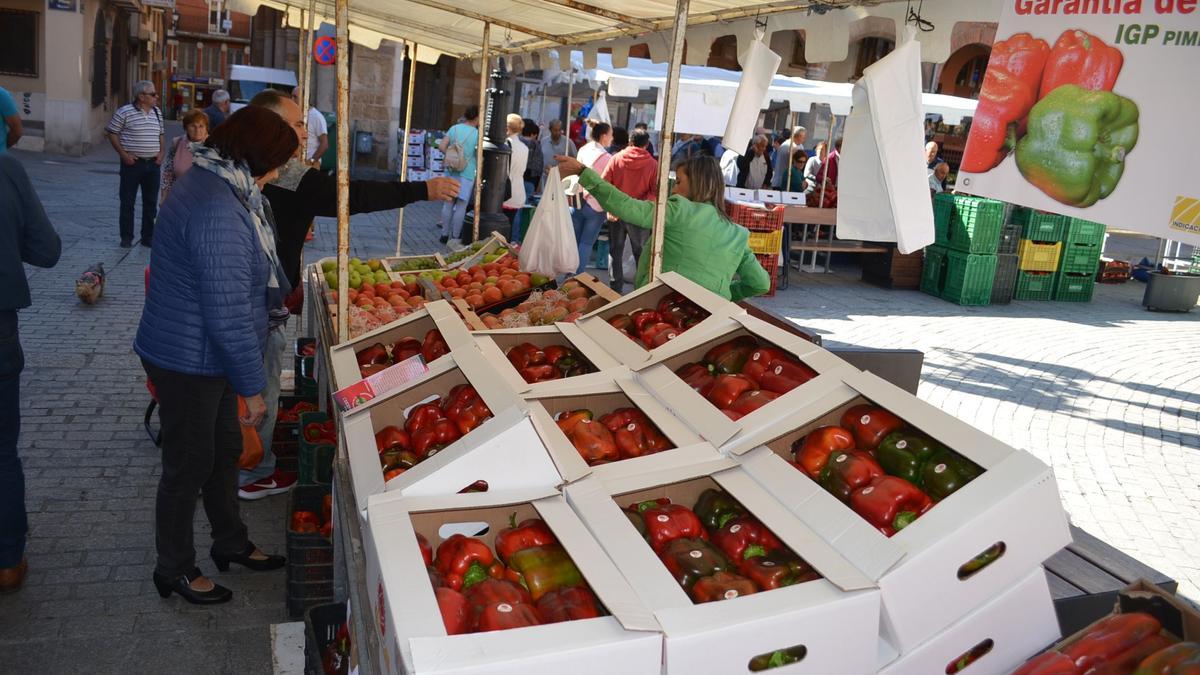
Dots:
pixel 1009 91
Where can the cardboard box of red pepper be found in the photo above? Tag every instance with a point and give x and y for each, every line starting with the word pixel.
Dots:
pixel 546 357
pixel 918 500
pixel 500 582
pixel 712 554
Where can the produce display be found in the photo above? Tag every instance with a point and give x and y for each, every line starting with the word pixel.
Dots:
pixel 740 375
pixel 814 200
pixel 529 581
pixel 624 433
pixel 717 550
pixel 414 264
pixel 543 364
pixel 377 357
pixel 887 472
pixel 310 522
pixel 1120 644
pixel 428 428
pixel 472 250
pixel 547 307
pixel 482 285
pixel 652 328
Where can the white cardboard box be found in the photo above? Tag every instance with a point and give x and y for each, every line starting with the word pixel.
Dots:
pixel 767 196
pixel 794 198
pixel 618 390
pixel 632 353
pixel 495 344
pixel 405 612
pixel 740 195
pixel 835 618
pixel 1014 502
pixel 440 315
pixel 1013 627
pixel 489 453
pixel 658 374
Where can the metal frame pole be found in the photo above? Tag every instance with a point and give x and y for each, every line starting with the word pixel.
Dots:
pixel 343 168
pixel 410 62
pixel 483 78
pixel 306 92
pixel 670 98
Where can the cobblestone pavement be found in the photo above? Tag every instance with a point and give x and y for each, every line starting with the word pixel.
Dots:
pixel 1106 392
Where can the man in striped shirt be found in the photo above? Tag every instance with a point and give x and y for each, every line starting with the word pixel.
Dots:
pixel 136 132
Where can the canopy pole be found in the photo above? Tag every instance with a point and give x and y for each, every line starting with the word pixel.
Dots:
pixel 343 168
pixel 570 93
pixel 825 164
pixel 301 64
pixel 670 101
pixel 787 185
pixel 410 62
pixel 483 78
pixel 306 92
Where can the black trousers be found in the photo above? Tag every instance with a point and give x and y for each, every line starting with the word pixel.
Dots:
pixel 143 174
pixel 201 444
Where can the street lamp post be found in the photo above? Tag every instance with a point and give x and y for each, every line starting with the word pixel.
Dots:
pixel 496 157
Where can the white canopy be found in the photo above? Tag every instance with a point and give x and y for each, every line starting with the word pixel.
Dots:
pixel 706 94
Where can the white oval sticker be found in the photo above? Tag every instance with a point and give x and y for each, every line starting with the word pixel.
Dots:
pixel 696 554
pixel 663 518
pixel 841 458
pixel 868 490
pixel 735 529
pixel 504 607
pixel 778 370
pixel 767 563
pixel 731 594
pixel 756 356
pixel 940 468
pixel 902 445
pixel 865 419
pixel 630 427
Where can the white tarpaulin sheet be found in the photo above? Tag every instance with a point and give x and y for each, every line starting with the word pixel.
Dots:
pixel 759 65
pixel 883 184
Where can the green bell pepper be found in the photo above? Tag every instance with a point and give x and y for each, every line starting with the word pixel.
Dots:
pixel 1076 143
pixel 689 560
pixel 716 507
pixel 945 472
pixel 903 453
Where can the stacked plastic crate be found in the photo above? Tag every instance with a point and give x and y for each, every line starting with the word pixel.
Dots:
pixel 1005 283
pixel 1080 260
pixel 961 266
pixel 766 235
pixel 1038 252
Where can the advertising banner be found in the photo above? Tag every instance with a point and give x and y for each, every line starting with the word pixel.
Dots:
pixel 1088 108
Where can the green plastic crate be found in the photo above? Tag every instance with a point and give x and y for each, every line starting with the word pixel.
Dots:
pixel 1079 260
pixel 1074 287
pixel 1040 225
pixel 967 224
pixel 1082 232
pixel 1005 283
pixel 315 459
pixel 931 270
pixel 1034 285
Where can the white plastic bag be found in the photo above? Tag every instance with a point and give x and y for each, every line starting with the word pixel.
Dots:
pixel 549 247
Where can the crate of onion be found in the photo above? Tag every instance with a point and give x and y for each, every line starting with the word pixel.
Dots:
pixel 918 500
pixel 711 553
pixel 500 582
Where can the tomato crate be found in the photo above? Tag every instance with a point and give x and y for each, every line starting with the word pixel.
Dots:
pixel 1074 287
pixel 1034 285
pixel 1005 283
pixel 766 243
pixel 968 224
pixel 1039 225
pixel 1037 257
pixel 758 218
pixel 315 458
pixel 1010 239
pixel 309 573
pixel 1082 232
pixel 1079 259
pixel 770 263
pixel 321 626
pixel 307 548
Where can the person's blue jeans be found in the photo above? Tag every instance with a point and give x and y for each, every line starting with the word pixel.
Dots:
pixel 587 222
pixel 13 522
pixel 453 213
pixel 144 174
pixel 273 366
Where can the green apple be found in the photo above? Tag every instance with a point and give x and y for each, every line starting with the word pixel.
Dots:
pixel 328 265
pixel 409 279
pixel 356 280
pixel 374 264
pixel 538 279
pixel 356 262
pixel 331 278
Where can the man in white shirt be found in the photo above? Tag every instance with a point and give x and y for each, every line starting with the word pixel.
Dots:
pixel 517 162
pixel 783 157
pixel 318 132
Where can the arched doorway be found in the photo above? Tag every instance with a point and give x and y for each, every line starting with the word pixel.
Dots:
pixel 963 73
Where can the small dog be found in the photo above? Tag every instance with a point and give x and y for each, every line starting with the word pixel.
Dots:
pixel 90 285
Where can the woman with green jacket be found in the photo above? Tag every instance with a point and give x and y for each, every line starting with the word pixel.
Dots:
pixel 699 240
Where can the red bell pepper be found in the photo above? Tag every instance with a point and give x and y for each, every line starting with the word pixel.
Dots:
pixel 490 591
pixel 503 615
pixel 434 346
pixel 465 408
pixel 777 569
pixel 847 471
pixel 643 318
pixel 1048 663
pixel 1082 59
pixel 733 416
pixel 392 437
pixel 456 611
pixel 426 549
pixel 658 334
pixel 870 424
pixel 305 522
pixel 784 376
pixel 531 532
pixel 745 537
pixel 665 522
pixel 1009 91
pixel 760 359
pixel 722 586
pixel 389 474
pixel 689 559
pixel 542 373
pixel 436 579
pixel 320 432
pixel 465 561
pixel 566 421
pixel 697 376
pixel 376 354
pixel 729 357
pixel 568 604
pixel 1127 661
pixel 423 416
pixel 1108 638
pixel 752 400
pixel 1180 659
pixel 593 440
pixel 726 389
pixel 405 348
pixel 890 503
pixel 555 353
pixel 525 355
pixel 634 433
pixel 429 439
pixel 811 453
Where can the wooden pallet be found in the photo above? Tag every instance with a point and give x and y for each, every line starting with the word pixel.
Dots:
pixel 1086 576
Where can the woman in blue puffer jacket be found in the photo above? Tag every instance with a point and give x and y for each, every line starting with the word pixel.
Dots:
pixel 214 275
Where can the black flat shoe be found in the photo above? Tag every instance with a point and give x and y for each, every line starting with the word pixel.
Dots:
pixel 181 585
pixel 271 562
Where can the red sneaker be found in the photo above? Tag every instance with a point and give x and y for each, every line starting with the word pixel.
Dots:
pixel 275 484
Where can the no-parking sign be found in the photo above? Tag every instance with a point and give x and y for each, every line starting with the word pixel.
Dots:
pixel 324 51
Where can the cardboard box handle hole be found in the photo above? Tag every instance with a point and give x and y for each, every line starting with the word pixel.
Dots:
pixel 964 660
pixel 977 564
pixel 777 659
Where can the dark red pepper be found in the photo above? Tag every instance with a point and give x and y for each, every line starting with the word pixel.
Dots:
pixel 784 376
pixel 726 389
pixel 745 537
pixel 429 439
pixel 456 611
pixel 525 355
pixel 634 433
pixel 658 334
pixel 665 522
pixel 405 348
pixel 568 604
pixel 760 359
pixel 434 346
pixel 465 561
pixel 750 401
pixel 491 590
pixel 722 586
pixel 697 376
pixel 890 503
pixel 593 440
pixel 870 424
pixel 542 373
pixel 730 357
pixel 1108 638
pixel 776 569
pixel 391 437
pixel 531 532
pixel 465 408
pixel 642 318
pixel 423 416
pixel 374 355
pixel 847 471
pixel 503 616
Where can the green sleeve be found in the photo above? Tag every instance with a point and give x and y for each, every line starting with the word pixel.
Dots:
pixel 752 278
pixel 619 204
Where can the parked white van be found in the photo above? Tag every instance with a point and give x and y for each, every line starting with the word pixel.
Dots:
pixel 246 81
